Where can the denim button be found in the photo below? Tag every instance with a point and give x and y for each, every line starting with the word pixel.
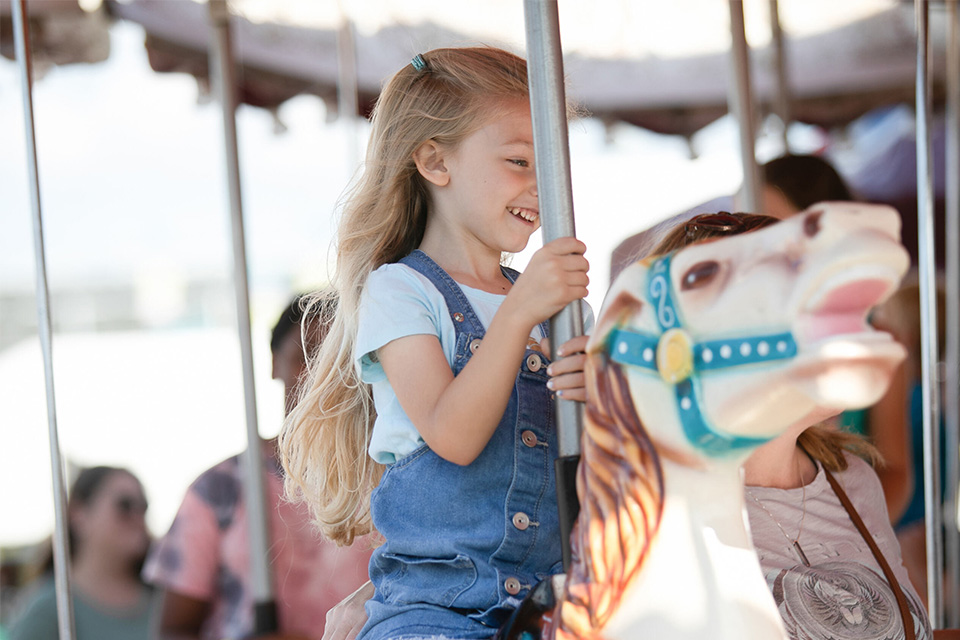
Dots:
pixel 474 345
pixel 534 362
pixel 458 316
pixel 529 438
pixel 512 585
pixel 521 520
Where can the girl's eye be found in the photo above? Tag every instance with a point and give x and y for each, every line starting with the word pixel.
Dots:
pixel 700 275
pixel 519 162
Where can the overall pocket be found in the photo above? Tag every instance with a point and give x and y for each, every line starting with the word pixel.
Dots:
pixel 410 579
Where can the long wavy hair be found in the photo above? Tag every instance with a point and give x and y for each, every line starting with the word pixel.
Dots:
pixel 324 440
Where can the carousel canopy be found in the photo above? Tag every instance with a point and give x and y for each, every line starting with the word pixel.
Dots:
pixel 835 74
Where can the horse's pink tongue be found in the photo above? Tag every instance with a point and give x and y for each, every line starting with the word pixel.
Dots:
pixel 842 311
pixel 855 297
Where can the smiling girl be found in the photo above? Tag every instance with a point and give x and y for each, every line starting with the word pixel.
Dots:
pixel 432 389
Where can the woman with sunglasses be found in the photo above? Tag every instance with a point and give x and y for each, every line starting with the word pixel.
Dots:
pixel 108 542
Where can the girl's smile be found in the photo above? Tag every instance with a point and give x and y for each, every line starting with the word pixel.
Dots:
pixel 484 190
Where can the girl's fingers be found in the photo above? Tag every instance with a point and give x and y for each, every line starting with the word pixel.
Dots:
pixel 577 344
pixel 567 365
pixel 566 381
pixel 566 245
pixel 578 395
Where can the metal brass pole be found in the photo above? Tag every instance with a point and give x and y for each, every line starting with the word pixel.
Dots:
pixel 928 321
pixel 548 108
pixel 221 54
pixel 61 543
pixel 951 399
pixel 741 106
pixel 347 92
pixel 781 100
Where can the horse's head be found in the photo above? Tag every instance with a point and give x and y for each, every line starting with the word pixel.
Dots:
pixel 727 343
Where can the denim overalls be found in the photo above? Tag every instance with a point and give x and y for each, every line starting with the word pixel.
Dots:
pixel 465 544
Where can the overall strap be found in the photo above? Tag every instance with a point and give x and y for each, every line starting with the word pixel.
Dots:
pixel 458 306
pixel 457 303
pixel 512 275
pixel 905 615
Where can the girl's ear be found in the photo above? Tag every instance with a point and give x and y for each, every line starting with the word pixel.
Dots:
pixel 429 160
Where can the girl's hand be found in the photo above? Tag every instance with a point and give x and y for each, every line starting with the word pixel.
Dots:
pixel 345 620
pixel 566 372
pixel 555 277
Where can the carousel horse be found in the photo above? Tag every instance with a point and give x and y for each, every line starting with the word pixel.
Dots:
pixel 698 358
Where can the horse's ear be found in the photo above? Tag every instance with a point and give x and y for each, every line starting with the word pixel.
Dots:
pixel 615 313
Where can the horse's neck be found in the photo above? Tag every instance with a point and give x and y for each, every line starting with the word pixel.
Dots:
pixel 705 500
pixel 702 577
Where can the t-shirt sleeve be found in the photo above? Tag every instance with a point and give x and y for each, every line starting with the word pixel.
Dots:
pixel 396 303
pixel 38 618
pixel 186 559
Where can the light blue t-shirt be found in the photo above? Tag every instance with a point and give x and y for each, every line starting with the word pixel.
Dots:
pixel 398 301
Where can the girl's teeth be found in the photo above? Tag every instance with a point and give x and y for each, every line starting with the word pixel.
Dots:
pixel 526 215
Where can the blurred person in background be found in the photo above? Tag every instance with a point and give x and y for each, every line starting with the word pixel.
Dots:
pixel 108 541
pixel 201 568
pixel 791 183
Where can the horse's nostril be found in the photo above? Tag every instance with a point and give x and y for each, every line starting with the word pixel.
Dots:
pixel 811 224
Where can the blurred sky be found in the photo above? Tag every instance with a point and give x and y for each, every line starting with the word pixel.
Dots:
pixel 133 194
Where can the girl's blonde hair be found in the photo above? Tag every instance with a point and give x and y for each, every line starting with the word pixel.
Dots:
pixel 323 444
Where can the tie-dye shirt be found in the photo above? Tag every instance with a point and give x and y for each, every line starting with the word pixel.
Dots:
pixel 205 556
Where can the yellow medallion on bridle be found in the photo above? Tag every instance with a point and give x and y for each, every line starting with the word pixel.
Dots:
pixel 675 356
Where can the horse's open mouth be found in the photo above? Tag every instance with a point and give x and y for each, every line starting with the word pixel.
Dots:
pixel 840 307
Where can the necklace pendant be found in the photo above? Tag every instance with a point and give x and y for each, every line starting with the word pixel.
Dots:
pixel 800 553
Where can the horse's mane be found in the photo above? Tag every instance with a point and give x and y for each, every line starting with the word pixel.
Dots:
pixel 620 482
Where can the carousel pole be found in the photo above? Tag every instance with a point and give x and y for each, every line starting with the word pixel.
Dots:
pixel 951 399
pixel 928 322
pixel 61 544
pixel 221 54
pixel 347 92
pixel 741 105
pixel 781 101
pixel 548 108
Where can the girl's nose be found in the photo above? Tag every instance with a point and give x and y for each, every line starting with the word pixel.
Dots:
pixel 533 190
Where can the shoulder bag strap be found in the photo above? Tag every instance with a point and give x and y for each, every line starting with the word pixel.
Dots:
pixel 905 614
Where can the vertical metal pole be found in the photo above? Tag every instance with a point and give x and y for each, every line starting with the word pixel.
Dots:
pixel 347 92
pixel 781 100
pixel 928 320
pixel 221 56
pixel 741 105
pixel 61 544
pixel 951 399
pixel 548 107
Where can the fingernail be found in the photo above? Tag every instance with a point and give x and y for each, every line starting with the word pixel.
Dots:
pixel 560 393
pixel 549 383
pixel 550 370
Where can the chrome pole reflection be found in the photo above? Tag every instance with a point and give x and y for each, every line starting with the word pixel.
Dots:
pixel 548 107
pixel 741 106
pixel 928 323
pixel 951 399
pixel 222 71
pixel 61 544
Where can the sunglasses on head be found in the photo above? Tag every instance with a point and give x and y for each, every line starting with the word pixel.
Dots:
pixel 130 505
pixel 721 222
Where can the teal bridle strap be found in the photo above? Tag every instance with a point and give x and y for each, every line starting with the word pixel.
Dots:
pixel 679 360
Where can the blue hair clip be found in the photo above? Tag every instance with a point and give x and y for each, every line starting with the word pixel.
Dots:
pixel 418 62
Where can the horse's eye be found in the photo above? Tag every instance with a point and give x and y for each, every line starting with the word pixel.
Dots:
pixel 700 275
